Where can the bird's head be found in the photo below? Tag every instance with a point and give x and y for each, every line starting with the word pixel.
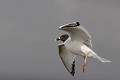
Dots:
pixel 63 38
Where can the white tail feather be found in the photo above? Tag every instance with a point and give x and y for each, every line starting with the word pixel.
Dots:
pixel 91 53
pixel 103 60
pixel 100 58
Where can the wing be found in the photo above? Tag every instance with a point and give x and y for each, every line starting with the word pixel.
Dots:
pixel 81 34
pixel 68 59
pixel 78 33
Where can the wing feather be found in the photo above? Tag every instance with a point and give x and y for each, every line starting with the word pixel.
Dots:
pixel 78 33
pixel 67 58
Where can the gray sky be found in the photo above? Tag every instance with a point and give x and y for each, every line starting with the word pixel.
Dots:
pixel 28 29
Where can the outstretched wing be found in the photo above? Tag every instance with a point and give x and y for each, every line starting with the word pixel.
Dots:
pixel 68 59
pixel 78 33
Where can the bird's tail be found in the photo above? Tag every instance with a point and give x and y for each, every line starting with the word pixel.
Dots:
pixel 85 49
pixel 102 59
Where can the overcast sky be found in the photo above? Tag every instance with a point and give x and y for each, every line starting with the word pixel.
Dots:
pixel 28 29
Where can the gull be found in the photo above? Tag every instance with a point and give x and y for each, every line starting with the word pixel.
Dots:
pixel 77 43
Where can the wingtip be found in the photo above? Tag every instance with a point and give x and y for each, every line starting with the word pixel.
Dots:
pixel 73 68
pixel 72 74
pixel 77 23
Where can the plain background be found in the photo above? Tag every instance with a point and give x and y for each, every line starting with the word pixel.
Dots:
pixel 28 29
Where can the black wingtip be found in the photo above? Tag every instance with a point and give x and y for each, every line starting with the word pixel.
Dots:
pixel 77 23
pixel 73 68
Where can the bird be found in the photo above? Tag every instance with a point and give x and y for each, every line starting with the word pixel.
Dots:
pixel 63 38
pixel 77 43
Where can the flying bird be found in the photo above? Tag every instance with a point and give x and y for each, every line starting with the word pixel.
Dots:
pixel 78 43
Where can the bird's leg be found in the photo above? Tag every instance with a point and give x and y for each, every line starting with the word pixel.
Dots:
pixel 85 60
